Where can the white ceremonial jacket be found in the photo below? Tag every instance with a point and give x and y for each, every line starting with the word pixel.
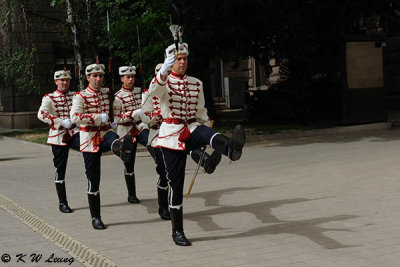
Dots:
pixel 125 103
pixel 55 107
pixel 151 115
pixel 182 108
pixel 87 106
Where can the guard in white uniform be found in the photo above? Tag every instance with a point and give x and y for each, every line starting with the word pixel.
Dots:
pixel 127 115
pixel 185 126
pixel 90 109
pixel 63 134
pixel 151 114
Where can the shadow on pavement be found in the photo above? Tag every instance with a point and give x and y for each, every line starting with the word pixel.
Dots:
pixel 11 158
pixel 308 228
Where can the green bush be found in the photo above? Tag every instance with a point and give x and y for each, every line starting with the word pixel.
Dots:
pixel 17 69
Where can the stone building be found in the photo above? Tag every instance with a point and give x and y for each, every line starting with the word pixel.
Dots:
pixel 367 93
pixel 31 29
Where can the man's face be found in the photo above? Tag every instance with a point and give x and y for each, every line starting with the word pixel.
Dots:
pixel 128 81
pixel 180 64
pixel 63 84
pixel 95 80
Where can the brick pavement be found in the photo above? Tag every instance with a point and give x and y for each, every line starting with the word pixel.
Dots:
pixel 324 200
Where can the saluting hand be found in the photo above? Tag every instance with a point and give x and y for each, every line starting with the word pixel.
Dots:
pixel 166 66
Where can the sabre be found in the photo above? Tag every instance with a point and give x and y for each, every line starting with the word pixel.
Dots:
pixel 140 58
pixel 203 151
pixel 111 81
pixel 176 30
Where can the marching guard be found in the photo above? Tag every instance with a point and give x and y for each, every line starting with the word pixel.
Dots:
pixel 185 126
pixel 90 109
pixel 63 134
pixel 127 115
pixel 151 114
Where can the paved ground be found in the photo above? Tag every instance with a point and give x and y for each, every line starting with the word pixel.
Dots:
pixel 324 200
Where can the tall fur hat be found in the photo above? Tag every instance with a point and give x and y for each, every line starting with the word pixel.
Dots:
pixel 62 74
pixel 183 48
pixel 95 68
pixel 126 70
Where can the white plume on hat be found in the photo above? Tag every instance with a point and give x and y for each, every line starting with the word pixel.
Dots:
pixel 126 70
pixel 183 48
pixel 62 74
pixel 95 68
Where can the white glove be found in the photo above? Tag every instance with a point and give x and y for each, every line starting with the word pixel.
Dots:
pixel 166 66
pixel 66 123
pixel 114 124
pixel 104 117
pixel 137 113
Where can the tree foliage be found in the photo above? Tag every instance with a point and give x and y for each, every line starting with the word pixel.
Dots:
pixel 18 55
pixel 308 33
pixel 17 69
pixel 302 31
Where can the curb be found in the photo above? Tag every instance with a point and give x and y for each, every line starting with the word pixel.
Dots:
pixel 326 131
pixel 264 137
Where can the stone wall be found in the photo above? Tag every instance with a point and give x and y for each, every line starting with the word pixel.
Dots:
pixel 244 68
pixel 364 65
pixel 36 25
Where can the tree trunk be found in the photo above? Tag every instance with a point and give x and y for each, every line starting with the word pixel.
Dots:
pixel 91 37
pixel 11 51
pixel 75 43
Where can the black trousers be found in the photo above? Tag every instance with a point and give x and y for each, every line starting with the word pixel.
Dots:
pixel 141 139
pixel 162 182
pixel 175 163
pixel 93 162
pixel 60 157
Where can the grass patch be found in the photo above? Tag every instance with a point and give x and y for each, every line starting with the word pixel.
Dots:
pixel 36 136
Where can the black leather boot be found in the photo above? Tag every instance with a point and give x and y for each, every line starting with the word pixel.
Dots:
pixel 131 186
pixel 209 163
pixel 62 198
pixel 177 228
pixel 163 204
pixel 94 207
pixel 124 149
pixel 230 147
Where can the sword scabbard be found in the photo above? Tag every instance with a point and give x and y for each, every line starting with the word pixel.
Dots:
pixel 198 166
